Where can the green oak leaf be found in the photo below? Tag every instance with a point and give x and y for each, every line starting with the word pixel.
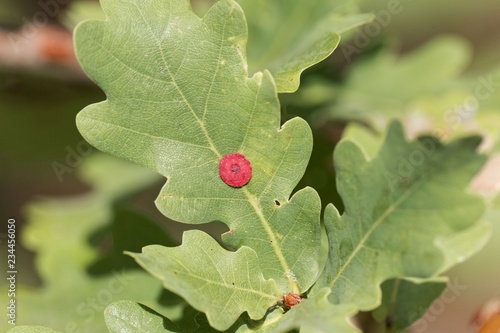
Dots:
pixel 370 140
pixel 474 107
pixel 115 179
pixel 318 315
pixel 418 88
pixel 313 315
pixel 391 227
pixel 123 234
pixel 456 249
pixel 427 94
pixel 404 301
pixel 383 86
pixel 220 283
pixel 58 231
pixel 128 316
pixel 288 36
pixel 179 98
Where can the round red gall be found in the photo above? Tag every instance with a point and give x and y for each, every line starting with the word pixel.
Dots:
pixel 235 170
pixel 290 300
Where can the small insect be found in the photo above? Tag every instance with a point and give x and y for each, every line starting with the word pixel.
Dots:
pixel 235 170
pixel 290 300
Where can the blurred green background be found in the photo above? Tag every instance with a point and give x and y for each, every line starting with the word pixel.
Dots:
pixel 42 89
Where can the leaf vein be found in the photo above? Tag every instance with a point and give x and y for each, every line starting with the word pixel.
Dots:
pixel 374 226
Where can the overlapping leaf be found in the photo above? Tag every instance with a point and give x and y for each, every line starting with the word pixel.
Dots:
pixel 288 36
pixel 58 232
pixel 220 283
pixel 178 100
pixel 405 300
pixel 425 83
pixel 127 316
pixel 426 89
pixel 314 315
pixel 318 315
pixel 383 86
pixel 400 210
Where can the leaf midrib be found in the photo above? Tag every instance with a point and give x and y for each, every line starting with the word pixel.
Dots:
pixel 189 273
pixel 254 201
pixel 177 87
pixel 375 225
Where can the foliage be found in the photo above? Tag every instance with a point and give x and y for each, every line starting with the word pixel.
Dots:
pixel 181 94
pixel 77 297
